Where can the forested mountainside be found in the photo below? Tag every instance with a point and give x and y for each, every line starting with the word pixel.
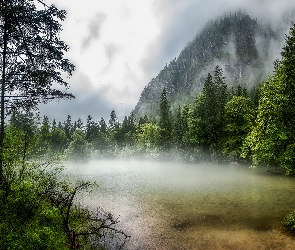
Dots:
pixel 242 46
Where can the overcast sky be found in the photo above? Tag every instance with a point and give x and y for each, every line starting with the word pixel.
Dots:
pixel 118 46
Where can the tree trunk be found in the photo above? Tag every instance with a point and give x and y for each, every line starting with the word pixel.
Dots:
pixel 2 108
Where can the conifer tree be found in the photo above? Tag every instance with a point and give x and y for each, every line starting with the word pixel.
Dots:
pixel 44 135
pixel 206 119
pixel 272 140
pixel 53 126
pixel 178 130
pixel 165 122
pixel 103 126
pixel 92 130
pixel 68 127
pixel 113 121
pixel 32 57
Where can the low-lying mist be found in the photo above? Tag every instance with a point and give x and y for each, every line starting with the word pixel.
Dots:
pixel 184 204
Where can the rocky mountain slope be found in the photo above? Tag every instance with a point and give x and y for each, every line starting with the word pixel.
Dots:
pixel 242 46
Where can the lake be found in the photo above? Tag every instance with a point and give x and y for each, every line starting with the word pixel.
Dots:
pixel 165 205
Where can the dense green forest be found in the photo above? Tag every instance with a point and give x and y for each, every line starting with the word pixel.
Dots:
pixel 222 124
pixel 192 133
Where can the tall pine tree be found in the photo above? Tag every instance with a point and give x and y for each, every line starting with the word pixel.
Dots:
pixel 206 119
pixel 272 141
pixel 165 122
pixel 32 57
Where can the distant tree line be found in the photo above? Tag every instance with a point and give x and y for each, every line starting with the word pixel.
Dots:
pixel 206 128
pixel 221 124
pixel 233 124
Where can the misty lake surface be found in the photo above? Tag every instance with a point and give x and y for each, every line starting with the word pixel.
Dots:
pixel 165 205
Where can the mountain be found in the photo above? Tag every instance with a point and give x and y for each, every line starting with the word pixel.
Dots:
pixel 244 48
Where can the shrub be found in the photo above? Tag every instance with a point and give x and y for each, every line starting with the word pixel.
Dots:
pixel 289 222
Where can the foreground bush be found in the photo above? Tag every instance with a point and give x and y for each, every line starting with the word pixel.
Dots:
pixel 289 222
pixel 39 210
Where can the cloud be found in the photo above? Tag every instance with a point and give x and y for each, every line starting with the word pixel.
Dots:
pixel 111 51
pixel 89 101
pixel 181 21
pixel 119 46
pixel 94 27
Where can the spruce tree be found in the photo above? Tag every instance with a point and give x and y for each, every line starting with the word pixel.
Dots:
pixel 178 129
pixel 92 130
pixel 103 136
pixel 44 136
pixel 32 57
pixel 68 127
pixel 113 121
pixel 206 119
pixel 272 140
pixel 165 122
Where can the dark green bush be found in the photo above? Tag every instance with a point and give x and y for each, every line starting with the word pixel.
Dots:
pixel 29 223
pixel 289 222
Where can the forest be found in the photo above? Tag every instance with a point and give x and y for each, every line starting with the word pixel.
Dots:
pixel 202 131
pixel 252 127
pixel 38 205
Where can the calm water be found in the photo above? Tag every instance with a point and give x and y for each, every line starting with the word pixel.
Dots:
pixel 192 206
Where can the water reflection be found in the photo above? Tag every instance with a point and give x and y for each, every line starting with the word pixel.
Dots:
pixel 189 206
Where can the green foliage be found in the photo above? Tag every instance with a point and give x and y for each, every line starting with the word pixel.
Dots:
pixel 23 127
pixel 44 136
pixel 68 127
pixel 27 225
pixel 127 132
pixel 232 41
pixel 27 220
pixel 179 128
pixel 206 118
pixel 239 120
pixel 272 140
pixel 165 122
pixel 78 148
pixel 289 222
pixel 39 211
pixel 58 141
pixel 92 130
pixel 148 135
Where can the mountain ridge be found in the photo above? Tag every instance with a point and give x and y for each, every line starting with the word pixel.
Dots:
pixel 241 45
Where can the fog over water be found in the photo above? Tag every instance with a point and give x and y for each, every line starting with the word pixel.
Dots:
pixel 191 206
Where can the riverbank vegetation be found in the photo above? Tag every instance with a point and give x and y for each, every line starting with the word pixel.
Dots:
pixel 39 206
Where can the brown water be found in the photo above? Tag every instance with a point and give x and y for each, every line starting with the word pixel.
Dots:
pixel 192 206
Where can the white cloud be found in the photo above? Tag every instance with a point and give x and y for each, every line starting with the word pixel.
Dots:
pixel 121 44
pixel 109 40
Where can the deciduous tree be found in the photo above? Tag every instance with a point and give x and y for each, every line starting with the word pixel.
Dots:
pixel 239 121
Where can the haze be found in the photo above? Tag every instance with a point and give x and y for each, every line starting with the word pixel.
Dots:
pixel 119 46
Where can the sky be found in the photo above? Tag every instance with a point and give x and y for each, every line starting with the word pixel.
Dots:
pixel 118 46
